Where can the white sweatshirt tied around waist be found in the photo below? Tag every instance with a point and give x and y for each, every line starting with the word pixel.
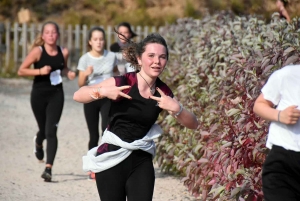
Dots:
pixel 94 163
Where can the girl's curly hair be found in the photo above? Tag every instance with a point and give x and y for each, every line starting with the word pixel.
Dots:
pixel 132 50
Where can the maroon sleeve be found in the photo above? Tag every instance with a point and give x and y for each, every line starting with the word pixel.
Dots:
pixel 165 88
pixel 167 91
pixel 120 80
pixel 127 79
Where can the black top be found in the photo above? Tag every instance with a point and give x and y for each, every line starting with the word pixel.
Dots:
pixel 55 62
pixel 115 47
pixel 131 119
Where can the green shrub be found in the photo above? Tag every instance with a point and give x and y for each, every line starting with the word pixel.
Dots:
pixel 217 67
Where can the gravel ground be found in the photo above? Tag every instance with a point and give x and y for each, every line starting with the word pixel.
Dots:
pixel 20 171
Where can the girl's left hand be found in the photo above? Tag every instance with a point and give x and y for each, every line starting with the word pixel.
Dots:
pixel 71 75
pixel 166 102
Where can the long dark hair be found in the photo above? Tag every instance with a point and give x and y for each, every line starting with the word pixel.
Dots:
pixel 128 26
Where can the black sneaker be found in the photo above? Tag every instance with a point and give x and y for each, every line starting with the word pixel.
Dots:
pixel 47 176
pixel 38 150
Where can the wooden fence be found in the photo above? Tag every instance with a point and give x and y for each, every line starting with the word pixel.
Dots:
pixel 16 39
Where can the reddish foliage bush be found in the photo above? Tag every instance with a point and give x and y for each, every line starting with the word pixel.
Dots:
pixel 218 66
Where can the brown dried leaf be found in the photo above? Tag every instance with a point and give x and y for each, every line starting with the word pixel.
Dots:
pixel 291 60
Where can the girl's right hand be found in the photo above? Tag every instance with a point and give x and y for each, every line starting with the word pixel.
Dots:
pixel 111 92
pixel 45 70
pixel 89 70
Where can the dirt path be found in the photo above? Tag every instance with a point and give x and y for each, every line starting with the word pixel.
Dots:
pixel 19 170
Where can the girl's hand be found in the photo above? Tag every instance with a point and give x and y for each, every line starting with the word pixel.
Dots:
pixel 71 75
pixel 183 116
pixel 166 102
pixel 45 70
pixel 111 92
pixel 89 70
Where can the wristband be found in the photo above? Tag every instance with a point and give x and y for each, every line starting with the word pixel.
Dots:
pixel 180 110
pixel 279 116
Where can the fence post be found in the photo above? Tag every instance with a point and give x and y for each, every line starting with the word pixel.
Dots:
pixel 70 33
pixel 16 44
pixel 160 30
pixel 40 28
pixel 109 33
pixel 84 39
pixel 32 34
pixel 7 42
pixel 24 40
pixel 77 46
pixel 146 31
pixel 2 46
pixel 62 35
pixel 139 32
pixel 153 29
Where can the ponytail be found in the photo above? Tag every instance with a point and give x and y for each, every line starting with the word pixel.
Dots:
pixel 38 41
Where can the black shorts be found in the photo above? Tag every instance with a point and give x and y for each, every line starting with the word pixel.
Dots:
pixel 281 175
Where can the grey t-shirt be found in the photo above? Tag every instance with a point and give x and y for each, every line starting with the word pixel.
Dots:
pixel 102 66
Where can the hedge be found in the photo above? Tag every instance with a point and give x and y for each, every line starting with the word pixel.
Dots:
pixel 217 67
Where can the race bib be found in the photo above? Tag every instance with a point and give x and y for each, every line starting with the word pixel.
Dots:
pixel 55 77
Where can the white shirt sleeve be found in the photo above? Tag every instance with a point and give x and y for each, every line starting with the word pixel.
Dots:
pixel 272 89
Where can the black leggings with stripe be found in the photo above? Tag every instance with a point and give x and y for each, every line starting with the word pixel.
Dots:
pixel 132 178
pixel 47 107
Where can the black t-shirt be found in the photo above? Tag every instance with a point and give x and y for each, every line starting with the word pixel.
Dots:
pixel 131 119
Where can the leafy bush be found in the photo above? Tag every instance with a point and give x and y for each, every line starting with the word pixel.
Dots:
pixel 218 66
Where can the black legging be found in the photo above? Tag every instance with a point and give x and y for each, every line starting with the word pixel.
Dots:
pixel 134 177
pixel 47 106
pixel 92 111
